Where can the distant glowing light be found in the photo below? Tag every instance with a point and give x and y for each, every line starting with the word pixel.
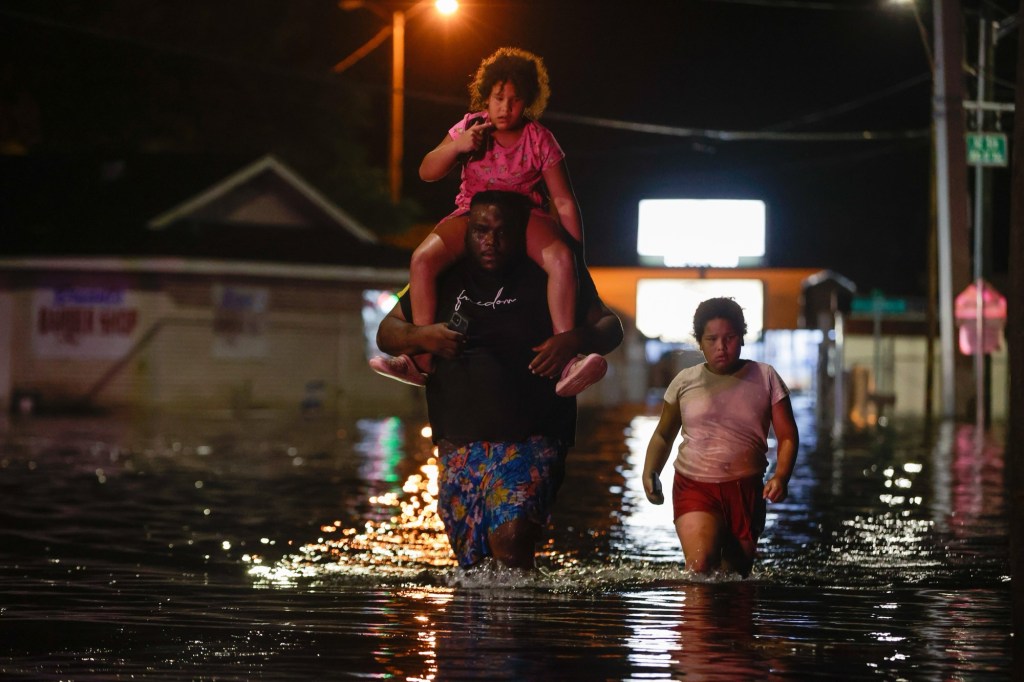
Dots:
pixel 447 7
pixel 386 300
pixel 426 431
pixel 722 233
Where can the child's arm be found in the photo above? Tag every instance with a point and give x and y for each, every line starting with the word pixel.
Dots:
pixel 564 200
pixel 546 248
pixel 658 451
pixel 777 487
pixel 441 248
pixel 444 157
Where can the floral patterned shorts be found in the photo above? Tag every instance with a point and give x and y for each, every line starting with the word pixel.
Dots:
pixel 486 484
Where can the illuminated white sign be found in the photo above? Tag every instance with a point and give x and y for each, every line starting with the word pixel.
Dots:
pixel 665 307
pixel 721 233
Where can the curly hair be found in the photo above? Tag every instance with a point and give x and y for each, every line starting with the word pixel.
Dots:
pixel 524 70
pixel 713 308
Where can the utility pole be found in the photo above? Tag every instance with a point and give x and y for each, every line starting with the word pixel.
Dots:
pixel 980 213
pixel 951 193
pixel 396 19
pixel 989 34
pixel 1015 341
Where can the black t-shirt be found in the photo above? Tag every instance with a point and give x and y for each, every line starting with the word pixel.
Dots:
pixel 488 392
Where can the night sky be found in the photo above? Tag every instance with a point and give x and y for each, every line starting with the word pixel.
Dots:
pixel 859 207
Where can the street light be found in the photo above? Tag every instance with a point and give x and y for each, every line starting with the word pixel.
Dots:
pixel 396 29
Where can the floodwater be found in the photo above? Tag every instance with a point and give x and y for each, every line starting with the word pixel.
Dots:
pixel 254 549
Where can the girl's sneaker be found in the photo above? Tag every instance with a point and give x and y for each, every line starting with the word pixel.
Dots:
pixel 400 368
pixel 580 373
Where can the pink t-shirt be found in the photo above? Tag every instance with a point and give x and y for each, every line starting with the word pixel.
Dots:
pixel 725 419
pixel 519 168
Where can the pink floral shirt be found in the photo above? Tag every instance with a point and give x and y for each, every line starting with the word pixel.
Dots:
pixel 519 168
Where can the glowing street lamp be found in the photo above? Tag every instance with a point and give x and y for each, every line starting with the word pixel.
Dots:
pixel 396 29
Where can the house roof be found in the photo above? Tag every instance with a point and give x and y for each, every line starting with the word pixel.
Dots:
pixel 179 206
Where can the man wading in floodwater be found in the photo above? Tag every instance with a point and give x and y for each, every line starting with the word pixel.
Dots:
pixel 502 432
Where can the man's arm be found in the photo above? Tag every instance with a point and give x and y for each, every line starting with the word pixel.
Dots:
pixel 398 336
pixel 601 333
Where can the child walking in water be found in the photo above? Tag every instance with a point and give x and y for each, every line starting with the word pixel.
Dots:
pixel 724 408
pixel 500 146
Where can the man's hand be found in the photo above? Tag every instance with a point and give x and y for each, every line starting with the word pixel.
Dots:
pixel 438 339
pixel 554 354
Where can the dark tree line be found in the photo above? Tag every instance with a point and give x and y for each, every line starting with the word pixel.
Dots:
pixel 229 78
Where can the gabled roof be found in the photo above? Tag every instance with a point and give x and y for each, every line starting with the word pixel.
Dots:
pixel 254 207
pixel 179 206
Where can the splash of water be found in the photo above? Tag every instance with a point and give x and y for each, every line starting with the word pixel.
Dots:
pixel 410 546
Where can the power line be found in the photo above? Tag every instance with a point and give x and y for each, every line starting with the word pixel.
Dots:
pixel 704 133
pixel 739 135
pixel 799 4
pixel 594 121
pixel 851 105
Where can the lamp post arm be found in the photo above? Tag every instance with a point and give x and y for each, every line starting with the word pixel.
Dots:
pixel 417 8
pixel 366 49
pixel 350 5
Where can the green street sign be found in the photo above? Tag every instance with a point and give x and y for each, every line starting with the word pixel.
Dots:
pixel 987 149
pixel 878 304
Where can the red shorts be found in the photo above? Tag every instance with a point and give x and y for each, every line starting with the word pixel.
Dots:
pixel 740 503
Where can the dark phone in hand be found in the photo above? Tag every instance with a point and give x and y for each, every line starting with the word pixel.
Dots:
pixel 459 323
pixel 485 143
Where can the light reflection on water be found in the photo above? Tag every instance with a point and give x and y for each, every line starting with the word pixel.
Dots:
pixel 412 538
pixel 315 550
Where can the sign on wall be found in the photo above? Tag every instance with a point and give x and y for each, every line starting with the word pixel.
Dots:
pixel 83 322
pixel 665 307
pixel 240 321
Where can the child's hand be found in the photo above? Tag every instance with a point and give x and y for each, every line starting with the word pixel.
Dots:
pixel 471 139
pixel 652 487
pixel 775 490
